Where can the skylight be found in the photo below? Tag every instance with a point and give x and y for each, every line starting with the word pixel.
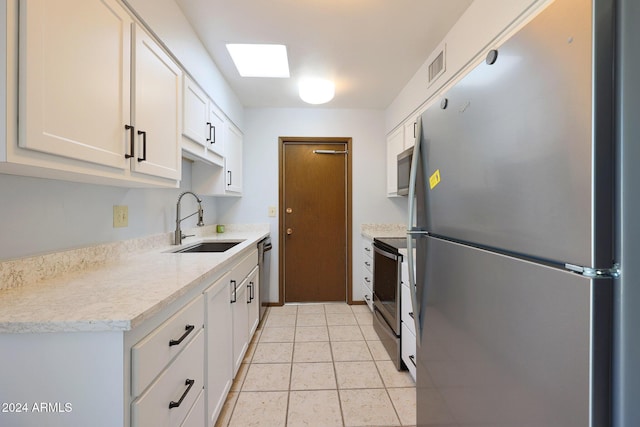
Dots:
pixel 260 60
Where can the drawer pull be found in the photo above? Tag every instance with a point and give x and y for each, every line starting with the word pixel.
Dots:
pixel 250 293
pixel 188 329
pixel 411 314
pixel 189 383
pixel 367 249
pixel 367 263
pixel 366 279
pixel 367 298
pixel 413 359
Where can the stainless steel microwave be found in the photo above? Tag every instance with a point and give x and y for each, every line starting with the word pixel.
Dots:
pixel 404 170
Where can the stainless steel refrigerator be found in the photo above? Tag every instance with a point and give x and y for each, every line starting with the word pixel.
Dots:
pixel 517 205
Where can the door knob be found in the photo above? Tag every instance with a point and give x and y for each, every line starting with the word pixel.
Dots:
pixel 289 231
pixel 289 210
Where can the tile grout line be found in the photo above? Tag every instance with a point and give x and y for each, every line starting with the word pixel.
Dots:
pixel 331 343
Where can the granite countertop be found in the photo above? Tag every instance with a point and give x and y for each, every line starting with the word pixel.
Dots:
pixel 371 231
pixel 120 294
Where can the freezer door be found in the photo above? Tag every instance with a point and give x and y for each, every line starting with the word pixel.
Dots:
pixel 517 159
pixel 507 342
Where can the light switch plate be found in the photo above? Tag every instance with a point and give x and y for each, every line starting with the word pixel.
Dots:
pixel 120 216
pixel 272 211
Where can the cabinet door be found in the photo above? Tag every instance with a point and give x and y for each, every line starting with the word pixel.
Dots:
pixel 153 408
pixel 157 109
pixel 233 161
pixel 410 127
pixel 75 79
pixel 219 345
pixel 215 130
pixel 239 307
pixel 395 144
pixel 253 302
pixel 195 113
pixel 194 417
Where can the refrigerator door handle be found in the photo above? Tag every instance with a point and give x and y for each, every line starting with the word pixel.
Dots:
pixel 415 162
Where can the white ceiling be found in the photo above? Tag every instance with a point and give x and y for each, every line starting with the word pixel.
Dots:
pixel 370 48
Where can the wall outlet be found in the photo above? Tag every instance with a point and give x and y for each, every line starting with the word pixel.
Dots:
pixel 120 216
pixel 272 211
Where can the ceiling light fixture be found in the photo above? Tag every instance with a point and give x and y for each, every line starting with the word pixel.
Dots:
pixel 260 60
pixel 316 91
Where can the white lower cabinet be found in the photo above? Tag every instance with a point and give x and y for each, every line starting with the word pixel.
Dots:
pixel 240 316
pixel 239 281
pixel 408 351
pixel 367 271
pixel 156 350
pixel 219 335
pixel 408 331
pixel 194 417
pixel 168 400
pixel 253 301
pixel 175 368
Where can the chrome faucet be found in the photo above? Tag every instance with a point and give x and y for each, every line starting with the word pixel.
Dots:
pixel 178 236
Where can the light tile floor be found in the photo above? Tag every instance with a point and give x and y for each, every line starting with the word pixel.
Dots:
pixel 319 365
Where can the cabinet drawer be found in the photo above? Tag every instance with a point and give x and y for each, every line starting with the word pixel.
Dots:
pixel 244 267
pixel 195 415
pixel 366 248
pixel 408 343
pixel 404 271
pixel 367 295
pixel 152 408
pixel 367 277
pixel 406 308
pixel 156 350
pixel 368 264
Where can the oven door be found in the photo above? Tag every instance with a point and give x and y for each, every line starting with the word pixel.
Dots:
pixel 386 285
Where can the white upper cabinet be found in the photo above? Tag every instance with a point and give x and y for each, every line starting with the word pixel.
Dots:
pixel 395 145
pixel 195 110
pixel 204 125
pixel 410 129
pixel 75 79
pixel 99 100
pixel 233 161
pixel 157 109
pixel 216 135
pixel 210 180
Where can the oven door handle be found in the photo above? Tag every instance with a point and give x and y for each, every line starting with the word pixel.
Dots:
pixel 385 253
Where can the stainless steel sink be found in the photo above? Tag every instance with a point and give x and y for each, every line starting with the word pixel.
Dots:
pixel 210 247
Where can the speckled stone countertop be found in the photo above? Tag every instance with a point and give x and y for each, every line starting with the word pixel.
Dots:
pixel 383 230
pixel 117 295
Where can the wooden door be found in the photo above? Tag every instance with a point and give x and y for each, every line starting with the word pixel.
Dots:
pixel 315 220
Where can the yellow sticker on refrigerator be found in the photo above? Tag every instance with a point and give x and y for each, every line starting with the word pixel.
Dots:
pixel 434 179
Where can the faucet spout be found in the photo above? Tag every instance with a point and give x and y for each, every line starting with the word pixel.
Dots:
pixel 177 235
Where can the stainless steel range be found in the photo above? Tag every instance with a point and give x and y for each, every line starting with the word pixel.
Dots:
pixel 387 262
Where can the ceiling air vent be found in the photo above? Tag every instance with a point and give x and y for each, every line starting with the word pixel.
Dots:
pixel 437 66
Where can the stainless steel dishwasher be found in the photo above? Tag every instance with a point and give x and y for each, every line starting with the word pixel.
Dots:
pixel 264 264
